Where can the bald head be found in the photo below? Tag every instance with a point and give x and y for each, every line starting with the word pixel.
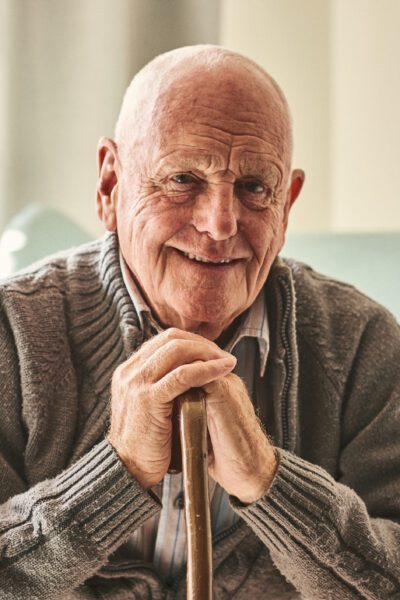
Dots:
pixel 174 82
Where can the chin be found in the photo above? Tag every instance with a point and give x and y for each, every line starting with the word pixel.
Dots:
pixel 214 314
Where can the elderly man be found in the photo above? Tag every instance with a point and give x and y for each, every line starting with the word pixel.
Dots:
pixel 187 290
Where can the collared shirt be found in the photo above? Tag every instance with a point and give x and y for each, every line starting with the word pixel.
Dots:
pixel 162 538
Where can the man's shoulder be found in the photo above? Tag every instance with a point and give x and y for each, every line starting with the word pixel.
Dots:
pixel 54 270
pixel 320 296
pixel 51 291
pixel 338 326
pixel 334 320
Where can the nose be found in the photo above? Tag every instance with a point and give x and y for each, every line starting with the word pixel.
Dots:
pixel 216 211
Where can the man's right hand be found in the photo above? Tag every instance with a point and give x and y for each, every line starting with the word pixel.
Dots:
pixel 142 393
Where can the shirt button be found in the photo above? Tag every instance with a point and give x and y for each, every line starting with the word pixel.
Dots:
pixel 179 501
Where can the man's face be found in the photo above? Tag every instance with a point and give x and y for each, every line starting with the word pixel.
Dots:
pixel 202 205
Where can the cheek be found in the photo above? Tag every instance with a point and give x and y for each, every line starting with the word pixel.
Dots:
pixel 148 223
pixel 263 232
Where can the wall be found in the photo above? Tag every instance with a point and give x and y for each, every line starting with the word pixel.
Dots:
pixel 366 117
pixel 5 132
pixel 338 63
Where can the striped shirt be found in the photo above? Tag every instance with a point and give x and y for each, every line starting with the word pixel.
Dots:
pixel 161 540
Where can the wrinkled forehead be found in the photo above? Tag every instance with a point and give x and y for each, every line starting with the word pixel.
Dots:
pixel 238 96
pixel 236 99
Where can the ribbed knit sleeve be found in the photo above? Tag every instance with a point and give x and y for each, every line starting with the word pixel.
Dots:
pixel 67 526
pixel 321 537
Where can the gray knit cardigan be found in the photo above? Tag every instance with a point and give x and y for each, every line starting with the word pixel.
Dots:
pixel 328 528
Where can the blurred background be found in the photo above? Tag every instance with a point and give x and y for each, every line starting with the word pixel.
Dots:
pixel 64 67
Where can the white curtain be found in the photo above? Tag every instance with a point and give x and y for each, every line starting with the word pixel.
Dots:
pixel 64 65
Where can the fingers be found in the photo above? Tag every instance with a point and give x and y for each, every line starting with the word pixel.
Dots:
pixel 148 349
pixel 176 353
pixel 195 374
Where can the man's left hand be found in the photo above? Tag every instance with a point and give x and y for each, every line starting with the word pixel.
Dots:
pixel 242 459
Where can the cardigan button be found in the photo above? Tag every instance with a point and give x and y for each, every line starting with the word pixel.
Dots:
pixel 179 501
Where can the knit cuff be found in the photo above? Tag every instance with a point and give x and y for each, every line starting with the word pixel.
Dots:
pixel 103 498
pixel 295 506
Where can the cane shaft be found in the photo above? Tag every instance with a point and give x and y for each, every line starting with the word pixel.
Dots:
pixel 193 436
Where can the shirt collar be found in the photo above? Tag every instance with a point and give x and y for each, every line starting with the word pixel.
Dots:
pixel 254 325
pixel 146 319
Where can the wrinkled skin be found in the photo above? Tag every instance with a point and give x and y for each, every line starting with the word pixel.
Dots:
pixel 201 165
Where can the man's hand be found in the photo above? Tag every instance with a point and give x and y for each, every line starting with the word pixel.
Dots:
pixel 142 393
pixel 241 460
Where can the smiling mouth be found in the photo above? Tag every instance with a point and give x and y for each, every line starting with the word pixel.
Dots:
pixel 204 262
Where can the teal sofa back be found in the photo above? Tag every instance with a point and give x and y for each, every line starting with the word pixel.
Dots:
pixel 35 232
pixel 369 261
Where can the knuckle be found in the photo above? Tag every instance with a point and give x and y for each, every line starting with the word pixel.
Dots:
pixel 171 333
pixel 141 348
pixel 174 345
pixel 180 375
pixel 123 370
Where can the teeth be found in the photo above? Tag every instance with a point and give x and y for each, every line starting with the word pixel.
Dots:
pixel 200 259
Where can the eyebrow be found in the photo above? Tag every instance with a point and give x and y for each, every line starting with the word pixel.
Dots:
pixel 187 161
pixel 256 164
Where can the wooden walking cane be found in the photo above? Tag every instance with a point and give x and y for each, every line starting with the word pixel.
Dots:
pixel 191 411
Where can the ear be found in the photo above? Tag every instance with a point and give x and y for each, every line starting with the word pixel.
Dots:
pixel 296 184
pixel 107 182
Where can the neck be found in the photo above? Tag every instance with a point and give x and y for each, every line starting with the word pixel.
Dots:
pixel 211 331
pixel 220 331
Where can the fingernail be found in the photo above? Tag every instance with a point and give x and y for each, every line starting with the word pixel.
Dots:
pixel 229 361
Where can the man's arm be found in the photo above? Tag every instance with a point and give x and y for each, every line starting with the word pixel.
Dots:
pixel 57 534
pixel 60 532
pixel 342 539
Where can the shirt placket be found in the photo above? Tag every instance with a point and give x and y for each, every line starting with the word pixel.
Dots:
pixel 170 547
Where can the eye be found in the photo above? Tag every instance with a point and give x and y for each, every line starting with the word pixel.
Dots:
pixel 184 178
pixel 254 187
pixel 182 187
pixel 253 193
